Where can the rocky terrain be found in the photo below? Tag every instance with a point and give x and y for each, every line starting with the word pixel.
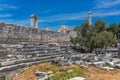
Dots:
pixel 90 73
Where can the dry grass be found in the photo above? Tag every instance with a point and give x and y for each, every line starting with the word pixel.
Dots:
pixel 93 73
pixel 90 73
pixel 27 74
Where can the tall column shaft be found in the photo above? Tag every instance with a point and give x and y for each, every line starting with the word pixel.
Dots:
pixel 36 25
pixel 32 22
pixel 90 18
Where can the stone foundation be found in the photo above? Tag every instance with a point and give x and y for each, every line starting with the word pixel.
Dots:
pixel 21 46
pixel 10 33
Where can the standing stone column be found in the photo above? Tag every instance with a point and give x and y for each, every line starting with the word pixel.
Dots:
pixel 34 21
pixel 36 24
pixel 90 18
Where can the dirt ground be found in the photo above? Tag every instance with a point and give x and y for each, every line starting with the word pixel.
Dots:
pixel 93 73
pixel 90 73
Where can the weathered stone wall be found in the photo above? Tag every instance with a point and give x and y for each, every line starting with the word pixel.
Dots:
pixel 28 46
pixel 13 33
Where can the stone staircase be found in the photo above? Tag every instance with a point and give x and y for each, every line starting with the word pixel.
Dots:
pixel 28 52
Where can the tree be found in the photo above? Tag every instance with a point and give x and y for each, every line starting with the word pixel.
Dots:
pixel 113 28
pixel 118 31
pixel 77 29
pixel 96 36
pixel 105 39
pixel 99 25
pixel 75 40
pixel 84 29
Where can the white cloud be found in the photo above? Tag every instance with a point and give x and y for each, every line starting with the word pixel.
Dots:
pixel 60 17
pixel 63 17
pixel 46 11
pixel 24 22
pixel 6 20
pixel 106 3
pixel 109 13
pixel 5 15
pixel 6 7
pixel 78 16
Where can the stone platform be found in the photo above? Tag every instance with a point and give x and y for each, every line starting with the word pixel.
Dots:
pixel 21 46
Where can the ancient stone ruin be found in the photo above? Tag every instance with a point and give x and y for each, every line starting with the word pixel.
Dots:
pixel 10 33
pixel 22 46
pixel 34 21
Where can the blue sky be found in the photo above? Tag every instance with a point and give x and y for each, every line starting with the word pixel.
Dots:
pixel 53 13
